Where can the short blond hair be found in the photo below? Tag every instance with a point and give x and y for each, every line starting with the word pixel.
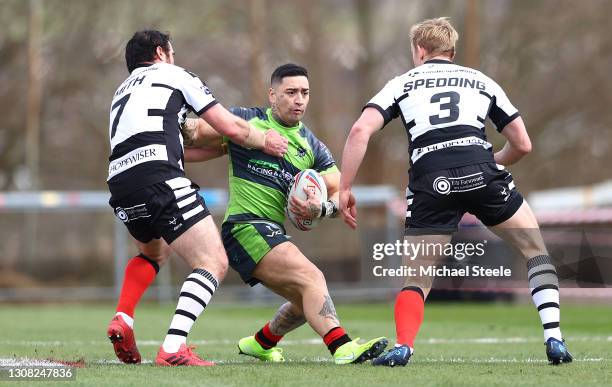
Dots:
pixel 436 36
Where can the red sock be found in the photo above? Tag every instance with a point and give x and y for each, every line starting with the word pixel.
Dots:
pixel 409 307
pixel 266 338
pixel 139 273
pixel 335 338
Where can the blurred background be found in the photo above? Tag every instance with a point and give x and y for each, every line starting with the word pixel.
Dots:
pixel 61 61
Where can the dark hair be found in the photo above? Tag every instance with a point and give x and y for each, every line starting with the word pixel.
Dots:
pixel 287 70
pixel 141 48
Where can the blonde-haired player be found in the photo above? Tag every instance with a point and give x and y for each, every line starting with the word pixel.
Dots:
pixel 443 107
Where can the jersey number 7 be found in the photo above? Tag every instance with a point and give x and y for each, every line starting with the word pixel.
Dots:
pixel 121 105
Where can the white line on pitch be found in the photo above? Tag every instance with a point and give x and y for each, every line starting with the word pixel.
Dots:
pixel 317 341
pixel 416 360
pixel 497 360
pixel 28 362
pixel 17 362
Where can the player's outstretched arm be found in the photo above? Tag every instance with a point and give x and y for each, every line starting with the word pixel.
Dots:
pixel 242 133
pixel 197 132
pixel 354 150
pixel 204 153
pixel 201 141
pixel 518 143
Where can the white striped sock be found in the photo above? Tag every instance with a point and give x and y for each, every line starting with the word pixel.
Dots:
pixel 196 292
pixel 544 286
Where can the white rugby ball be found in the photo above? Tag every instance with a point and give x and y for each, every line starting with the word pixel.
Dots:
pixel 311 180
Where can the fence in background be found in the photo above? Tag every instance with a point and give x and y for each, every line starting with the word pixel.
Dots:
pixel 575 206
pixel 34 204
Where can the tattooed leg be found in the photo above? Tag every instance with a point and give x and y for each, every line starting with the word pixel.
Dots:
pixel 288 273
pixel 287 318
pixel 329 310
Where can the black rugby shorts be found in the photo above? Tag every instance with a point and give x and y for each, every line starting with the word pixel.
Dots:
pixel 163 210
pixel 437 200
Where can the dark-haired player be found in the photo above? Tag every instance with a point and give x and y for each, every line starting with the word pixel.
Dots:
pixel 149 191
pixel 253 233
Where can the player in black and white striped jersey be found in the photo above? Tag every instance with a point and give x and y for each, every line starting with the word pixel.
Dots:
pixel 149 191
pixel 443 107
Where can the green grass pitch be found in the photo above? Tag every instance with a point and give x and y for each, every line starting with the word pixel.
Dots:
pixel 459 344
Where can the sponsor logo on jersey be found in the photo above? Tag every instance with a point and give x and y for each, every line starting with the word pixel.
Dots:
pixel 269 170
pixel 137 156
pixel 301 152
pixel 206 89
pixel 464 141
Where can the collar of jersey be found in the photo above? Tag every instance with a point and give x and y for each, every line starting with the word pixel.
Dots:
pixel 441 61
pixel 141 66
pixel 278 125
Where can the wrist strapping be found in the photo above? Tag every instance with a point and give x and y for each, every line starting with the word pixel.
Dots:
pixel 328 209
pixel 255 139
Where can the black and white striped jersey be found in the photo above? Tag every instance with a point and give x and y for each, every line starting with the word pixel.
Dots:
pixel 443 107
pixel 144 128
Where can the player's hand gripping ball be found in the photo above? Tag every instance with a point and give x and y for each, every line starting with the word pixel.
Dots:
pixel 311 180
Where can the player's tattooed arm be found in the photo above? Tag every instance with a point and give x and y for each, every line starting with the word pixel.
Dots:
pixel 329 310
pixel 197 132
pixel 287 318
pixel 188 130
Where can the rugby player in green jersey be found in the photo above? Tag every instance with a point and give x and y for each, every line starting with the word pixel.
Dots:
pixel 253 233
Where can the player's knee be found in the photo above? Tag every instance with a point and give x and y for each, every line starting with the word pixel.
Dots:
pixel 161 259
pixel 311 276
pixel 318 276
pixel 222 269
pixel 296 310
pixel 159 256
pixel 218 266
pixel 528 241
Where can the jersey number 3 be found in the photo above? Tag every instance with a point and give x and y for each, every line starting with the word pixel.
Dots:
pixel 452 107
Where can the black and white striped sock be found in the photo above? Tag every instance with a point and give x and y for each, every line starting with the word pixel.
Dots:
pixel 544 286
pixel 196 293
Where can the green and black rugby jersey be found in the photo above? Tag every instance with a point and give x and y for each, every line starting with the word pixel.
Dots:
pixel 259 183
